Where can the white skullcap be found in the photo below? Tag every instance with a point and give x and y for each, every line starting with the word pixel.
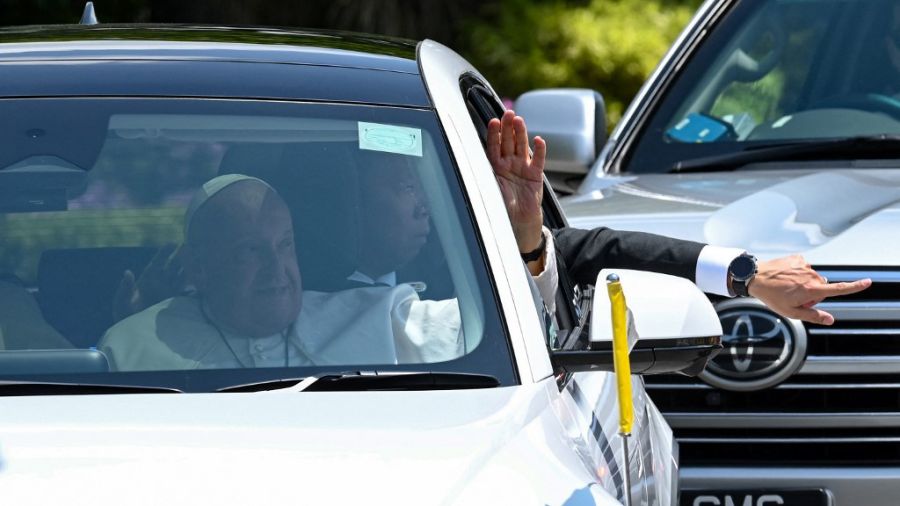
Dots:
pixel 210 188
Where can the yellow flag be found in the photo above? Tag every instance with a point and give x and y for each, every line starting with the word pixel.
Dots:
pixel 621 349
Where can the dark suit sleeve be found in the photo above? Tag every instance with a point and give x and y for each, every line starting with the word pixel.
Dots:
pixel 586 252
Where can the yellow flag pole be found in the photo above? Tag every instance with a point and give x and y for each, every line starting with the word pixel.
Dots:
pixel 623 370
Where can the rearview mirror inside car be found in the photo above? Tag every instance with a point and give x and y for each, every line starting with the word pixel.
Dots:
pixel 38 184
pixel 677 327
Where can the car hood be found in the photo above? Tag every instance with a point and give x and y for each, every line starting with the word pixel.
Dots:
pixel 829 216
pixel 277 448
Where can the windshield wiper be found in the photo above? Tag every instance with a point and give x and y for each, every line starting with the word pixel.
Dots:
pixel 358 381
pixel 15 388
pixel 874 146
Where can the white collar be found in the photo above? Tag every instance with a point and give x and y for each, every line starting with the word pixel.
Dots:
pixel 389 279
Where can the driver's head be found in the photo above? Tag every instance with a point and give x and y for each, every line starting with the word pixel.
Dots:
pixel 394 214
pixel 240 255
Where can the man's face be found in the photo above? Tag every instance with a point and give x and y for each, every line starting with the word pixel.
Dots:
pixel 245 265
pixel 394 218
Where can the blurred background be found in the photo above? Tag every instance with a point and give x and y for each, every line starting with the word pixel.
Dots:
pixel 607 45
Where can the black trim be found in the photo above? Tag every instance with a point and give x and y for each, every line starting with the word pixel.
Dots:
pixel 689 360
pixel 481 102
pixel 536 253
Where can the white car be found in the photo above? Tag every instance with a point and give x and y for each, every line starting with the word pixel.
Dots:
pixel 770 126
pixel 107 131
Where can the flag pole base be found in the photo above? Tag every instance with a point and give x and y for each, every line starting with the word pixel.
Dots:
pixel 627 472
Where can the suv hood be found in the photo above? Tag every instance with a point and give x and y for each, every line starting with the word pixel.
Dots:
pixel 828 215
pixel 280 447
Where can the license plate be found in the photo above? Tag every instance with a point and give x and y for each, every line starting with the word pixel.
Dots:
pixel 755 498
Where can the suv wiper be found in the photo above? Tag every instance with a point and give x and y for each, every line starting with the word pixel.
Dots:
pixel 359 381
pixel 15 388
pixel 873 146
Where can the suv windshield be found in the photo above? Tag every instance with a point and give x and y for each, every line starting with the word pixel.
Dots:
pixel 781 71
pixel 200 244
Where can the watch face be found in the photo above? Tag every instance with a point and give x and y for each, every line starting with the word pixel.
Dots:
pixel 742 267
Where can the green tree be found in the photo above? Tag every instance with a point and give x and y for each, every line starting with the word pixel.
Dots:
pixel 608 45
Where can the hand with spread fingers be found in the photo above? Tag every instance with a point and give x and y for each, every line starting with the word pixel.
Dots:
pixel 162 278
pixel 520 175
pixel 790 287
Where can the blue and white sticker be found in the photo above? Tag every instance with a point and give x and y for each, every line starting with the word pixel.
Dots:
pixel 390 138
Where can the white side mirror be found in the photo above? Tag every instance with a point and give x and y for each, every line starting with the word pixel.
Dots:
pixel 573 122
pixel 663 307
pixel 678 329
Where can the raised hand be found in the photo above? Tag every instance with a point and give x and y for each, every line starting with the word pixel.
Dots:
pixel 520 175
pixel 790 287
pixel 162 278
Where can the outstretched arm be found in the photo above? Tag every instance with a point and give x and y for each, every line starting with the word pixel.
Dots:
pixel 789 285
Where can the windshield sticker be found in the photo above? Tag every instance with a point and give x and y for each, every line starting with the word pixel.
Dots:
pixel 390 138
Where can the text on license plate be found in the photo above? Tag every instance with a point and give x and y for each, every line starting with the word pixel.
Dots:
pixel 754 498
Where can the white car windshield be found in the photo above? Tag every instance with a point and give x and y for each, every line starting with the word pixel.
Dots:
pixel 782 71
pixel 198 244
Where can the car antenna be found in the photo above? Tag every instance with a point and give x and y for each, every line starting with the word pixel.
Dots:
pixel 88 17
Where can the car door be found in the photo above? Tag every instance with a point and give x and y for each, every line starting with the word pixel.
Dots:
pixel 587 401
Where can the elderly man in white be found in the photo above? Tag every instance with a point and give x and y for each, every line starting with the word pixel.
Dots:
pixel 250 309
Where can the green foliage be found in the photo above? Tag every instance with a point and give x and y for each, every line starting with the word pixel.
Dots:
pixel 608 45
pixel 777 93
pixel 759 98
pixel 26 235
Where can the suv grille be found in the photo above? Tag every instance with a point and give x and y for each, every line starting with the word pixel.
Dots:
pixel 842 407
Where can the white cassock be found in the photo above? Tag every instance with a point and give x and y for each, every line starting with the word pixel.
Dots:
pixel 364 326
pixel 376 325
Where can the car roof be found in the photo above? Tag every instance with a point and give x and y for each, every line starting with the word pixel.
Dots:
pixel 209 61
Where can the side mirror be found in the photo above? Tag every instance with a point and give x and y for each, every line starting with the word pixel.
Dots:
pixel 573 122
pixel 678 328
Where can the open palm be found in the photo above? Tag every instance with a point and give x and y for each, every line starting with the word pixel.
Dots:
pixel 520 175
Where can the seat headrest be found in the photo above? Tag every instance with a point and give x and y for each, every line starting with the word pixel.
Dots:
pixel 76 288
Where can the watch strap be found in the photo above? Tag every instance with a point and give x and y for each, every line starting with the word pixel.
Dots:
pixel 536 253
pixel 739 288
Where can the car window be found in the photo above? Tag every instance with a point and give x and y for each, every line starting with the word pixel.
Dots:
pixel 784 41
pixel 776 71
pixel 233 239
pixel 564 327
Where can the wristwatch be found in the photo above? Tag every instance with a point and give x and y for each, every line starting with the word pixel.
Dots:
pixel 741 272
pixel 538 252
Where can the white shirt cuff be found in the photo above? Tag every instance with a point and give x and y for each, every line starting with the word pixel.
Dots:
pixel 712 268
pixel 548 280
